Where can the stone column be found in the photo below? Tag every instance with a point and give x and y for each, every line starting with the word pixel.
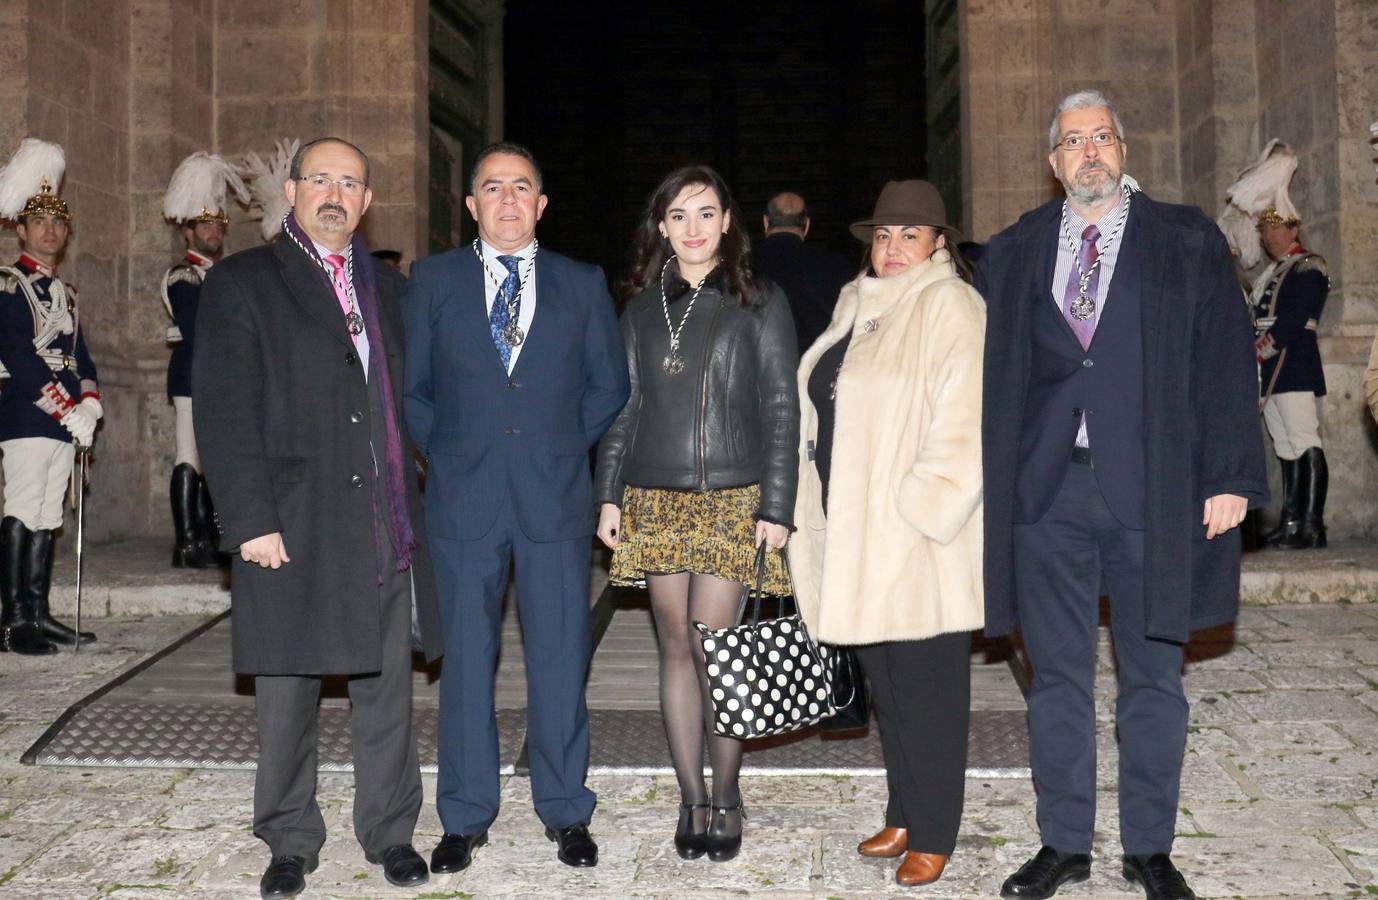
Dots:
pixel 356 70
pixel 1019 57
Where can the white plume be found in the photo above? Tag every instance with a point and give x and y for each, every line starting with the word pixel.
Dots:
pixel 199 185
pixel 34 161
pixel 265 178
pixel 1260 185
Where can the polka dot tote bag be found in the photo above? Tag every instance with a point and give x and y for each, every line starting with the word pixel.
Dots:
pixel 766 677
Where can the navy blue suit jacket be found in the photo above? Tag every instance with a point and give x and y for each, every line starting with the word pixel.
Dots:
pixel 525 439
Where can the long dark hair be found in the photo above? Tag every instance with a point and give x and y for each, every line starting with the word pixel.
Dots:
pixel 650 249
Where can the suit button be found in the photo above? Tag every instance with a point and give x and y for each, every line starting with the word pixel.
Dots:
pixel 356 417
pixel 1076 410
pixel 351 358
pixel 510 431
pixel 1088 363
pixel 356 480
pixel 512 384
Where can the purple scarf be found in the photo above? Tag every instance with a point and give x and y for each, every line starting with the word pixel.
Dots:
pixel 380 380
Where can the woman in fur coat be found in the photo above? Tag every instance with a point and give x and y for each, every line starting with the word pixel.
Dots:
pixel 887 557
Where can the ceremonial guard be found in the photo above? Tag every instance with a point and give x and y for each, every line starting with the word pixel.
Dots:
pixel 51 403
pixel 1286 301
pixel 195 199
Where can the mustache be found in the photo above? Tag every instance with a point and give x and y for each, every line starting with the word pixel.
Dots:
pixel 332 207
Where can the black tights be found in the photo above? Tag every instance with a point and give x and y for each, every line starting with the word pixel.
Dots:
pixel 677 601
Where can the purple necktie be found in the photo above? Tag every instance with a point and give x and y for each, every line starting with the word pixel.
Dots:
pixel 1084 328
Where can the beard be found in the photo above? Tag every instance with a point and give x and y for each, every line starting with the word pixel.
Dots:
pixel 332 217
pixel 209 248
pixel 1091 191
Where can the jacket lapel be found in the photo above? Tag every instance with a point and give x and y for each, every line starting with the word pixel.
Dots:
pixel 305 282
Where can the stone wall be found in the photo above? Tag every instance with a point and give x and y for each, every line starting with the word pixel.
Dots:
pixel 1021 56
pixel 129 93
pixel 1201 87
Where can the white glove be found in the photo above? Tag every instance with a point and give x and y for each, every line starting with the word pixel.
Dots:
pixel 81 421
pixel 92 405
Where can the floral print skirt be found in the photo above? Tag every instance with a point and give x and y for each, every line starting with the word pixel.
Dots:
pixel 705 532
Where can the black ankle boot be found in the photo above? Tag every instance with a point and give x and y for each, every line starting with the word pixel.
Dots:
pixel 40 580
pixel 1313 471
pixel 18 631
pixel 690 843
pixel 206 529
pixel 192 551
pixel 1289 520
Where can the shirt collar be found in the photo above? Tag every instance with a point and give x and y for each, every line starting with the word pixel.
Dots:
pixel 324 251
pixel 491 254
pixel 1076 224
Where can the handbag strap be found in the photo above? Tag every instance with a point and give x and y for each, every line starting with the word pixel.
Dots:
pixel 757 590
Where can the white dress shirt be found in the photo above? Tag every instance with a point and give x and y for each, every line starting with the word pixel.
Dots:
pixel 526 309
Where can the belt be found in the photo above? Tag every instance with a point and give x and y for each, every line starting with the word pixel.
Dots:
pixel 1082 455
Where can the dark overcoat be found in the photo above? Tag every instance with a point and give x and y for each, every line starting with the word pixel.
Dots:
pixel 283 427
pixel 1200 413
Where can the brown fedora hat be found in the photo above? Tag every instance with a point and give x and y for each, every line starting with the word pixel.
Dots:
pixel 912 202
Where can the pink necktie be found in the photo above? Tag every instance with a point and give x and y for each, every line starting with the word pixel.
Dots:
pixel 337 278
pixel 1084 329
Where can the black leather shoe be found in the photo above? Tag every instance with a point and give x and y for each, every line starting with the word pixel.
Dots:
pixel 689 842
pixel 455 852
pixel 1159 876
pixel 402 865
pixel 286 876
pixel 723 844
pixel 576 845
pixel 1040 877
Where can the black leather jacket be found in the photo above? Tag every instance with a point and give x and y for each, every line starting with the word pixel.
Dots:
pixel 729 419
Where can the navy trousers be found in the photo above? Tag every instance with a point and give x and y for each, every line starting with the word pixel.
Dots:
pixel 552 580
pixel 1061 562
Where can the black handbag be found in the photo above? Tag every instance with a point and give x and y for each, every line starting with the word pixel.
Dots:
pixel 766 677
pixel 850 694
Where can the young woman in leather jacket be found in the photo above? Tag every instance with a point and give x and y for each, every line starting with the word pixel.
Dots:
pixel 700 468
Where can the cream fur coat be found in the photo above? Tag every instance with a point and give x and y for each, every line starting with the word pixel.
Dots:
pixel 898 557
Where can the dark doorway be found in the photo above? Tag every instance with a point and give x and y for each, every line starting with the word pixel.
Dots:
pixel 823 99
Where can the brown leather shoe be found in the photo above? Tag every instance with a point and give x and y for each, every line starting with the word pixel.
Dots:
pixel 886 843
pixel 920 868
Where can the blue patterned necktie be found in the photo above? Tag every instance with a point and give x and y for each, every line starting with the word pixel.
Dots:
pixel 498 319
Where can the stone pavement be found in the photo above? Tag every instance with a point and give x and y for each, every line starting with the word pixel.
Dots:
pixel 1278 798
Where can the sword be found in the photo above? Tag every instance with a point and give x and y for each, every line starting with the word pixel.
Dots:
pixel 79 475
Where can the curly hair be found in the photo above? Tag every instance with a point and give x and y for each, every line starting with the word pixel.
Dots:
pixel 650 249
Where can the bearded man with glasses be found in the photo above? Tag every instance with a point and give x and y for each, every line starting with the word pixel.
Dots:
pixel 297 384
pixel 1121 450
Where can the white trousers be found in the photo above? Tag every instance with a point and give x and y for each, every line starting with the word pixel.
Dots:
pixel 1294 422
pixel 36 475
pixel 186 436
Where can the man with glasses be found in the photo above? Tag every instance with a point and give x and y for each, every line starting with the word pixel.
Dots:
pixel 297 382
pixel 1121 450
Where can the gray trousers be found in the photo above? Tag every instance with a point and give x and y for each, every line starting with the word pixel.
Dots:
pixel 387 775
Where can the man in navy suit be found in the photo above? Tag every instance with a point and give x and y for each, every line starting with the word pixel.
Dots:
pixel 1121 449
pixel 515 368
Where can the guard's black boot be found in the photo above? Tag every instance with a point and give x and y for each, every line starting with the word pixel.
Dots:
pixel 18 631
pixel 40 580
pixel 1312 470
pixel 206 528
pixel 192 551
pixel 1289 519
